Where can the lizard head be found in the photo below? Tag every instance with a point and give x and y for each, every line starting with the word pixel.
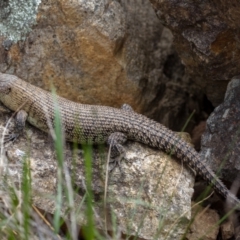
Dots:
pixel 9 86
pixel 5 83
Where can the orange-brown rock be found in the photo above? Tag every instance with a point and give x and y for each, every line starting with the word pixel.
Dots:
pixel 98 52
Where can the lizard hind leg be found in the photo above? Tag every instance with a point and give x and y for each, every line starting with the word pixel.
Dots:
pixel 116 141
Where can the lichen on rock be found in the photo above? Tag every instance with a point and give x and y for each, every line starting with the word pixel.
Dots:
pixel 17 18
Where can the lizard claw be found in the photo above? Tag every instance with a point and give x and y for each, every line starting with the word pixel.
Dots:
pixel 116 163
pixel 10 137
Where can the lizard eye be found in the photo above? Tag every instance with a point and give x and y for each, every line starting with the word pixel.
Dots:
pixel 5 90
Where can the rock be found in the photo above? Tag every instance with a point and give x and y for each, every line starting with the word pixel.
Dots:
pixel 153 195
pixel 157 190
pixel 220 142
pixel 206 38
pixel 98 52
pixel 14 22
pixel 197 134
pixel 204 224
pixel 227 230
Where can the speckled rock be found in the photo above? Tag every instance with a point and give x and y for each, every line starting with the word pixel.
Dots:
pixel 14 22
pixel 157 190
pixel 221 140
pixel 206 37
pixel 153 195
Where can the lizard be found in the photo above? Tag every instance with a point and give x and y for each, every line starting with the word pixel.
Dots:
pixel 96 124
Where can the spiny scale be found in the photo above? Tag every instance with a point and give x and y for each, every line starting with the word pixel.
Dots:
pixel 84 123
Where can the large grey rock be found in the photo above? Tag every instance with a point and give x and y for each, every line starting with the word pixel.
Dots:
pixel 152 198
pixel 220 142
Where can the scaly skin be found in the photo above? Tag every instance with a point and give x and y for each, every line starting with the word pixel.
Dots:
pixel 97 124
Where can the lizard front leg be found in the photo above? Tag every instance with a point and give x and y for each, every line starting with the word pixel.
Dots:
pixel 20 121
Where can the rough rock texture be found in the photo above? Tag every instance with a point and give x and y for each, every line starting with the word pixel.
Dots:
pixel 157 190
pixel 14 22
pixel 227 230
pixel 154 193
pixel 204 224
pixel 197 134
pixel 99 52
pixel 221 140
pixel 206 37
